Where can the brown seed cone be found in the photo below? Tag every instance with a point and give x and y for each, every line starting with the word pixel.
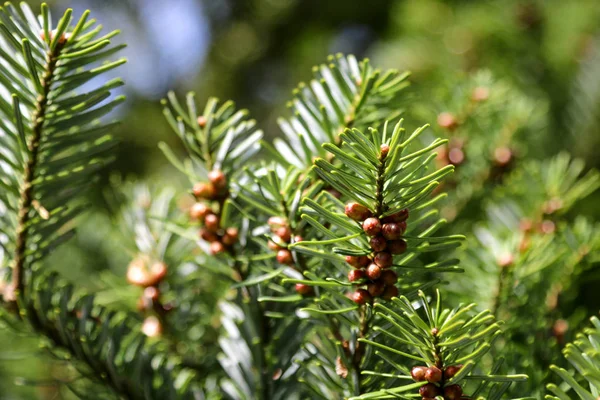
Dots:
pixel 453 392
pixel 429 390
pixel 358 261
pixel 384 150
pixel 393 230
pixel 378 243
pixel 217 248
pixel 357 211
pixel 433 374
pixel 212 222
pixel 208 236
pixel 218 179
pixel 303 289
pixel 383 259
pixel 204 190
pixel 284 256
pixel 389 277
pixel 400 216
pixel 373 271
pixel 284 233
pixel 201 121
pixel 355 275
pixel 361 296
pixel 390 292
pixel 418 373
pixel 451 370
pixel 199 211
pixel 231 236
pixel 397 246
pixel 376 288
pixel 372 226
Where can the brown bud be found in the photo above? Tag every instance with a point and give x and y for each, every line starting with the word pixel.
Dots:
pixel 453 392
pixel 137 272
pixel 480 93
pixel 502 156
pixel 505 260
pixel 357 212
pixel 284 233
pixel 451 370
pixel 456 156
pixel 276 222
pixel 273 245
pixel 384 149
pixel 212 222
pixel 356 275
pixel 433 374
pixel 378 243
pixel 429 390
pixel 389 277
pixel 447 121
pixel 199 211
pixel 201 121
pixel 373 271
pixel 303 289
pixel 208 236
pixel 389 292
pixel 217 248
pixel 418 373
pixel 151 293
pixel 393 230
pixel 61 41
pixel 284 256
pixel 361 296
pixel 376 288
pixel 231 236
pixel 298 238
pixel 152 327
pixel 400 216
pixel 547 227
pixel 383 259
pixel 218 179
pixel 372 226
pixel 203 190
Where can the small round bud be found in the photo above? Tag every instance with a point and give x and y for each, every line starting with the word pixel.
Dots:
pixel 218 179
pixel 231 236
pixel 453 392
pixel 298 238
pixel 384 149
pixel 152 327
pixel 303 289
pixel 356 275
pixel 547 227
pixel 199 211
pixel 203 190
pixel 158 271
pixel 389 277
pixel 383 259
pixel 217 248
pixel 361 296
pixel 208 236
pixel 456 156
pixel 372 226
pixel 451 370
pixel 397 246
pixel 400 216
pixel 393 230
pixel 276 222
pixel 357 212
pixel 376 288
pixel 151 293
pixel 480 93
pixel 429 390
pixel 505 260
pixel 447 121
pixel 284 233
pixel 284 256
pixel 373 271
pixel 137 273
pixel 390 292
pixel 201 121
pixel 273 245
pixel 433 374
pixel 212 222
pixel 378 243
pixel 418 373
pixel 435 331
pixel 502 156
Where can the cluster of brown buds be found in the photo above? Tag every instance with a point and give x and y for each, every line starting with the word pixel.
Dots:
pixel 436 379
pixel 147 273
pixel 215 190
pixel 386 241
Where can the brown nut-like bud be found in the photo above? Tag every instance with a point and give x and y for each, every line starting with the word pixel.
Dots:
pixel 208 236
pixel 397 246
pixel 358 261
pixel 456 156
pixel 303 289
pixel 384 150
pixel 372 226
pixel 284 256
pixel 357 211
pixel 429 390
pixel 502 156
pixel 218 179
pixel 152 327
pixel 376 288
pixel 390 292
pixel 453 392
pixel 151 293
pixel 273 245
pixel 447 121
pixel 204 190
pixel 418 373
pixel 433 374
pixel 298 238
pixel 373 271
pixel 212 222
pixel 393 230
pixel 284 233
pixel 61 41
pixel 383 259
pixel 217 248
pixel 356 275
pixel 400 216
pixel 199 211
pixel 276 223
pixel 389 277
pixel 201 121
pixel 378 243
pixel 361 296
pixel 451 370
pixel 230 237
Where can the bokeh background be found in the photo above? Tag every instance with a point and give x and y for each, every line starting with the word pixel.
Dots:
pixel 256 51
